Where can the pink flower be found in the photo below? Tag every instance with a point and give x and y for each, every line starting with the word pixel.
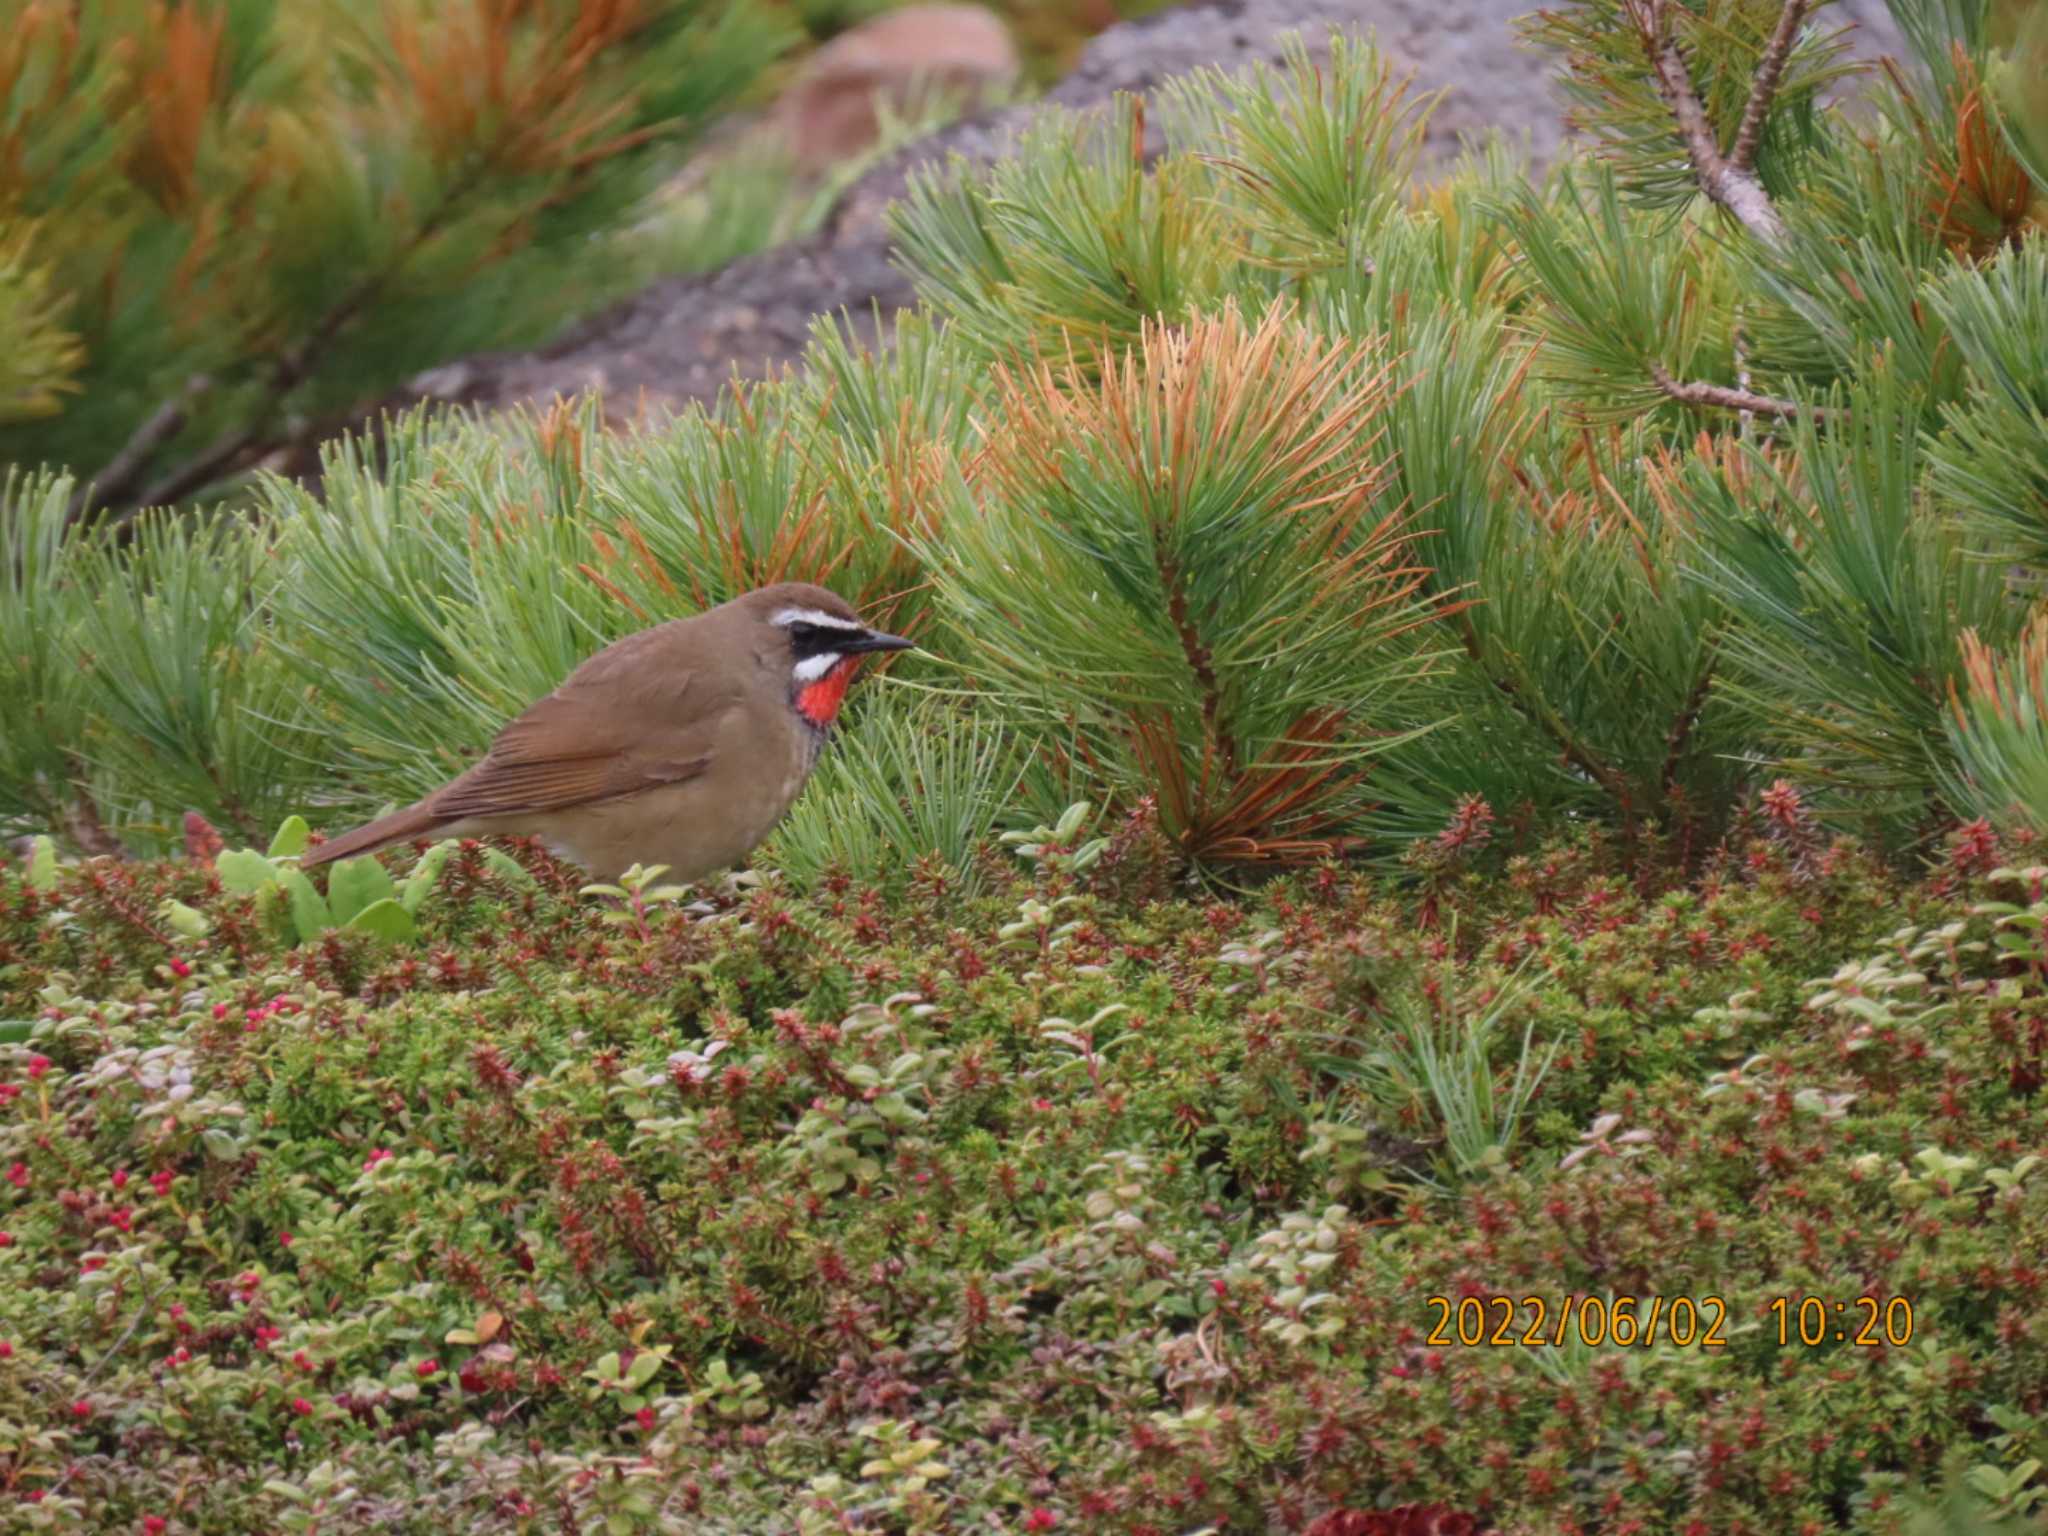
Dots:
pixel 301 1407
pixel 119 1178
pixel 91 1262
pixel 161 1181
pixel 427 1368
pixel 9 1092
pixel 267 1336
pixel 380 1155
pixel 6 1239
pixel 6 1350
pixel 81 1409
pixel 154 1525
pixel 180 969
pixel 124 1218
pixel 1041 1519
pixel 18 1175
pixel 181 1356
pixel 644 1418
pixel 1220 1287
pixel 38 1065
pixel 284 1239
pixel 220 1010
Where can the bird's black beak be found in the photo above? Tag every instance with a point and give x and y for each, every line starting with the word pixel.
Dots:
pixel 874 640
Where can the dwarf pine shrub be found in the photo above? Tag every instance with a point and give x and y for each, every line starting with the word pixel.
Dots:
pixel 1310 502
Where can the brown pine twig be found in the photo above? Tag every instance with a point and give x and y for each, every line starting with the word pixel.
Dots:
pixel 1769 70
pixel 1725 398
pixel 1726 179
pixel 1679 737
pixel 120 474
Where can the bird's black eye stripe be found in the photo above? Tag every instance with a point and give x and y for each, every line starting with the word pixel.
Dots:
pixel 809 639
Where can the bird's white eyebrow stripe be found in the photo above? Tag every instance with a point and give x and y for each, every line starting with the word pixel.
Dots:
pixel 819 617
pixel 811 668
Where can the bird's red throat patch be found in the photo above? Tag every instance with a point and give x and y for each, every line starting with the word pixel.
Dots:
pixel 819 702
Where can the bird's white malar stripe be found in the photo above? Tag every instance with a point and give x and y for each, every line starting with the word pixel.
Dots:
pixel 819 617
pixel 811 668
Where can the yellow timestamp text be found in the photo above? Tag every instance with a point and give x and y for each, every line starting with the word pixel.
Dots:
pixel 1628 1322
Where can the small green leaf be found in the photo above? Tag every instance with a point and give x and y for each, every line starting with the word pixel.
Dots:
pixel 42 864
pixel 244 871
pixel 16 1031
pixel 291 838
pixel 356 884
pixel 186 920
pixel 503 865
pixel 220 1144
pixel 642 1370
pixel 309 912
pixel 386 919
pixel 608 1366
pixel 420 883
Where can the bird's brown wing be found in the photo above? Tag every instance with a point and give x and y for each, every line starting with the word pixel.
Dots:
pixel 628 719
pixel 619 724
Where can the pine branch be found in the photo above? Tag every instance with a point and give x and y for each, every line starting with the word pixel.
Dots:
pixel 1199 662
pixel 1680 735
pixel 1727 399
pixel 295 366
pixel 120 474
pixel 1769 70
pixel 82 822
pixel 1728 181
pixel 1537 711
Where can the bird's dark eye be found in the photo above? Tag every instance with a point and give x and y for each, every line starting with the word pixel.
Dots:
pixel 810 639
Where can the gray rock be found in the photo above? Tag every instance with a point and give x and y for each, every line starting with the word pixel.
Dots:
pixel 683 339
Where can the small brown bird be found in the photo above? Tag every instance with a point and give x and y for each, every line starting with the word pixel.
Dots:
pixel 681 745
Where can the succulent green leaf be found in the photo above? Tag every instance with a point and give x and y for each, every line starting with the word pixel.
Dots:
pixel 292 836
pixel 185 920
pixel 309 910
pixel 244 871
pixel 385 919
pixel 42 864
pixel 356 884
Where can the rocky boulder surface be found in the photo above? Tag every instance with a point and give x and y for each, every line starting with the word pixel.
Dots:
pixel 683 339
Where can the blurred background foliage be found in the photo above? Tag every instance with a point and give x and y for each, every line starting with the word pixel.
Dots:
pixel 226 223
pixel 1258 490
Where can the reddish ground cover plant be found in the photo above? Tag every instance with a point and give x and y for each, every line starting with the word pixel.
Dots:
pixel 842 1213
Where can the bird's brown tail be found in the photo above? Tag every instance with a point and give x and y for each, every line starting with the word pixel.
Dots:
pixel 398 827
